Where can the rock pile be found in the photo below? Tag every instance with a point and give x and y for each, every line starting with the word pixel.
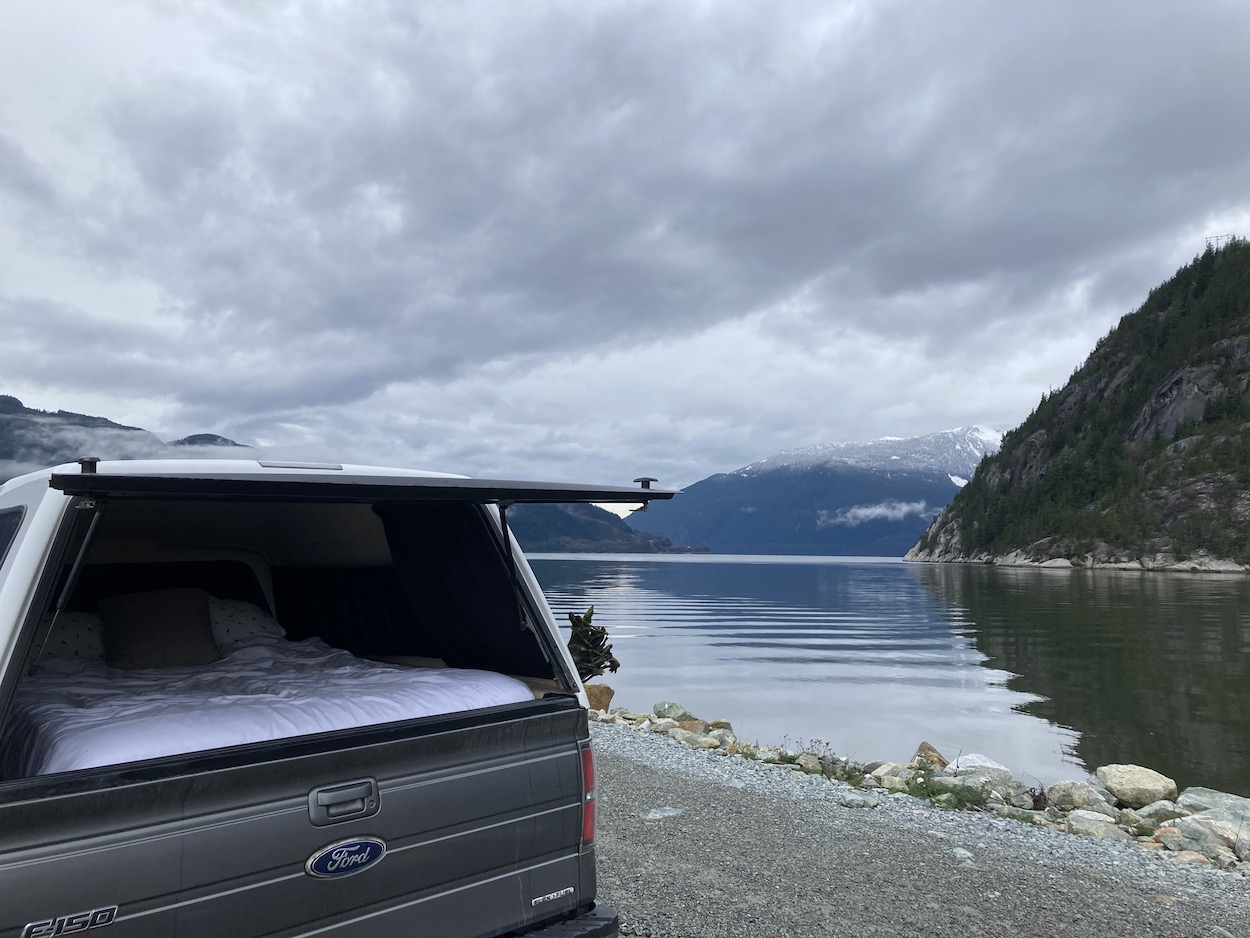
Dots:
pixel 1118 802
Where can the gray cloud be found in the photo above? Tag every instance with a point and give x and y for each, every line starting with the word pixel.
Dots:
pixel 562 237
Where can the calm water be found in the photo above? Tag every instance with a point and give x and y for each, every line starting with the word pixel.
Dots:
pixel 1047 671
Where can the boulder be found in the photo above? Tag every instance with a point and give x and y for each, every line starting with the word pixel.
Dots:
pixel 975 786
pixel 1162 811
pixel 1021 799
pixel 682 736
pixel 883 769
pixel 927 754
pixel 600 696
pixel 726 737
pixel 698 727
pixel 698 741
pixel 1101 807
pixel 1135 824
pixel 1075 794
pixel 850 798
pixel 721 724
pixel 1023 815
pixel 672 711
pixel 810 763
pixel 1171 838
pixel 663 725
pixel 1206 834
pixel 1092 824
pixel 1191 856
pixel 1217 804
pixel 1135 786
pixel 976 764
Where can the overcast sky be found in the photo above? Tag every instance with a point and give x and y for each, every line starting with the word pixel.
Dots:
pixel 592 240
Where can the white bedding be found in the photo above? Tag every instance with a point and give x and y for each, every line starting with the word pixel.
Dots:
pixel 76 714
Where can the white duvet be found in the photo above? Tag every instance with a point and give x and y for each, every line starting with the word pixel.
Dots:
pixel 75 714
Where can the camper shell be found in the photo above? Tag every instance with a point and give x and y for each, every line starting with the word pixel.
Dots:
pixel 257 698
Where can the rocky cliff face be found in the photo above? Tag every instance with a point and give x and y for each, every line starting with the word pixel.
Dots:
pixel 1142 459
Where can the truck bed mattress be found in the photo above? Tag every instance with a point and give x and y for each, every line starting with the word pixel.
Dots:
pixel 75 714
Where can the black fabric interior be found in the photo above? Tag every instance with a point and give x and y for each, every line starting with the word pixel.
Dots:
pixel 447 596
pixel 359 609
pixel 225 579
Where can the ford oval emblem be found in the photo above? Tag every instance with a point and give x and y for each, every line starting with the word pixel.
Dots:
pixel 345 858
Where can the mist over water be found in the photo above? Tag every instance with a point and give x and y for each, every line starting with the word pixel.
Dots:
pixel 1033 668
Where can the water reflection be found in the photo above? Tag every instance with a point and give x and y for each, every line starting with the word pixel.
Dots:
pixel 863 654
pixel 1151 669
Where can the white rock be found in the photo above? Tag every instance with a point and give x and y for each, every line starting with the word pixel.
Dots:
pixel 976 764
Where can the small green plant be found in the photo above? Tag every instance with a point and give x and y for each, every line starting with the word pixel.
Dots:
pixel 922 785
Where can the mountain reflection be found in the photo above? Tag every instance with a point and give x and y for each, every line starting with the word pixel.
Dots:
pixel 1152 669
pixel 855 652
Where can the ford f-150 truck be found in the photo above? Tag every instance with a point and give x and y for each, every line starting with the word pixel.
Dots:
pixel 245 698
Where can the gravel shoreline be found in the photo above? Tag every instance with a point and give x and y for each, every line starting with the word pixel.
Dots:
pixel 692 843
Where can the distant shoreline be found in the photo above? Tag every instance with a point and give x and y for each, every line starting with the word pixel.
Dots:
pixel 1161 563
pixel 716 558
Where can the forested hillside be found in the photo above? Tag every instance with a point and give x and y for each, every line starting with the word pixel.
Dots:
pixel 1143 456
pixel 576 528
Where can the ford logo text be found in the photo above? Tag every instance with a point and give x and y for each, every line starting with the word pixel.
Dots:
pixel 345 857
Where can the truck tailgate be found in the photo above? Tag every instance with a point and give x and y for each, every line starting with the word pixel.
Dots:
pixel 321 835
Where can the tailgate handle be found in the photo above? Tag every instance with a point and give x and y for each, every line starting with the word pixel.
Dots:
pixel 346 801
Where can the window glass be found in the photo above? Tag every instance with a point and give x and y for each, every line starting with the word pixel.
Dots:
pixel 10 521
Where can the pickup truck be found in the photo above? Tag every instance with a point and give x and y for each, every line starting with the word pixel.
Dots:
pixel 243 698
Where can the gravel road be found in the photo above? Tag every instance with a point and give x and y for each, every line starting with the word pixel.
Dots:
pixel 767 852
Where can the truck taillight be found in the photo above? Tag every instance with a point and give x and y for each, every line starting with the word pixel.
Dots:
pixel 588 795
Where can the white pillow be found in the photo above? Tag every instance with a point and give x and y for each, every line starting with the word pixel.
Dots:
pixel 236 622
pixel 76 635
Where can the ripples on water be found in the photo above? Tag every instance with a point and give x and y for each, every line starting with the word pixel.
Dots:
pixel 1046 671
pixel 856 653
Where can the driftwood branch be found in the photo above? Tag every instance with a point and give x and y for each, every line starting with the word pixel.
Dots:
pixel 592 655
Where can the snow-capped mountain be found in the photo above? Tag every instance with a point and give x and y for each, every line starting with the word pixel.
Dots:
pixel 868 498
pixel 954 452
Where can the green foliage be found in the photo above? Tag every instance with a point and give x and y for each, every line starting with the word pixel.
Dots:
pixel 1074 475
pixel 922 785
pixel 592 655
